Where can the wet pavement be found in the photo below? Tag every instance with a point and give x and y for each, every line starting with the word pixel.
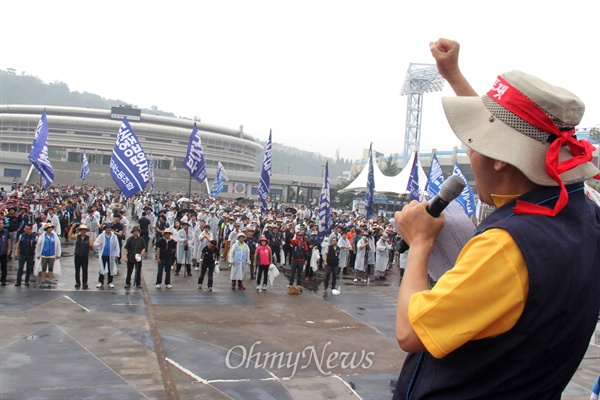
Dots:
pixel 69 343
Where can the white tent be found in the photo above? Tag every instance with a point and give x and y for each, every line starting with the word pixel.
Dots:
pixel 387 184
pixel 360 183
pixel 399 183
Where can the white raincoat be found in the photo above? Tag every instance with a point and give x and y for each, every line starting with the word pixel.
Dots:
pixel 345 246
pixel 239 258
pixel 359 264
pixel 39 246
pixel 184 256
pixel 383 252
pixel 201 242
pixel 114 252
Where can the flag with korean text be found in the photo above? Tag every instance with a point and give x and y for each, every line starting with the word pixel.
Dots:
pixel 38 156
pixel 436 177
pixel 466 200
pixel 265 177
pixel 194 159
pixel 85 167
pixel 224 175
pixel 217 186
pixel 128 163
pixel 324 207
pixel 370 192
pixel 414 192
pixel 151 172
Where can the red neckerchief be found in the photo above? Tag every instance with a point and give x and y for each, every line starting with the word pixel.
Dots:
pixel 516 102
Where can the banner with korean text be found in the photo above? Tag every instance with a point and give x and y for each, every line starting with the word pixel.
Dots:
pixel 128 164
pixel 38 156
pixel 194 159
pixel 264 184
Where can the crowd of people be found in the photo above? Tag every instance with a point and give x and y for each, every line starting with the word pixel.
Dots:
pixel 185 234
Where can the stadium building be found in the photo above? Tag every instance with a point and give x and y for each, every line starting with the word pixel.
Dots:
pixel 74 130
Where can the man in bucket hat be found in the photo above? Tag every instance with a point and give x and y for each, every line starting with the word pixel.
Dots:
pixel 513 318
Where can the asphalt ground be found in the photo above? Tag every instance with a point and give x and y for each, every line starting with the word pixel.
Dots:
pixel 186 343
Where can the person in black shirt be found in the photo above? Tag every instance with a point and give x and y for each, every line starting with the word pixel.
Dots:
pixel 135 247
pixel 26 253
pixel 161 225
pixel 332 261
pixel 275 242
pixel 210 254
pixel 83 244
pixel 144 224
pixel 165 251
pixel 119 231
pixel 252 241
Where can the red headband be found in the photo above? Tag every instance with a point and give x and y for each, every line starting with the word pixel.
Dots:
pixel 510 98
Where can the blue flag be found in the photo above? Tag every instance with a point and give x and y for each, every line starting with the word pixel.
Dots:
pixel 217 186
pixel 194 159
pixel 435 178
pixel 324 207
pixel 265 177
pixel 224 175
pixel 466 200
pixel 414 193
pixel 128 164
pixel 85 167
pixel 370 194
pixel 151 172
pixel 38 156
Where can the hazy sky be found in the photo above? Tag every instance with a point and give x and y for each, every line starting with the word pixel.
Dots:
pixel 323 75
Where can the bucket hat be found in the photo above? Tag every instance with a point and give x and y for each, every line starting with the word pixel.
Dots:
pixel 529 124
pixel 490 125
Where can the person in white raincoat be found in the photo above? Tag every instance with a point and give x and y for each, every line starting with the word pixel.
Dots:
pixel 381 259
pixel 359 263
pixel 239 258
pixel 47 255
pixel 185 248
pixel 370 253
pixel 108 247
pixel 345 247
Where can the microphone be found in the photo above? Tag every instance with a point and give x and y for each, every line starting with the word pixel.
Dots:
pixel 450 189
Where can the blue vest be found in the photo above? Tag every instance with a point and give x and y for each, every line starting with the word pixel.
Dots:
pixel 540 354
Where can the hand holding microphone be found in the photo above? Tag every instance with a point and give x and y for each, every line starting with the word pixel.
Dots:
pixel 450 189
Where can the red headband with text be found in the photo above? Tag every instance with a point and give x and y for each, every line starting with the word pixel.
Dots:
pixel 510 98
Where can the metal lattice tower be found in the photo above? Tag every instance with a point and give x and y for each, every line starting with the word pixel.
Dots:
pixel 420 79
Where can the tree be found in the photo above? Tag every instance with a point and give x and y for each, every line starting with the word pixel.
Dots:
pixel 345 199
pixel 389 167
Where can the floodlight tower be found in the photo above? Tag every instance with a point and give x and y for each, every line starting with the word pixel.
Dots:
pixel 420 79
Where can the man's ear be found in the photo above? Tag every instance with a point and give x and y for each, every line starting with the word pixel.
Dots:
pixel 500 165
